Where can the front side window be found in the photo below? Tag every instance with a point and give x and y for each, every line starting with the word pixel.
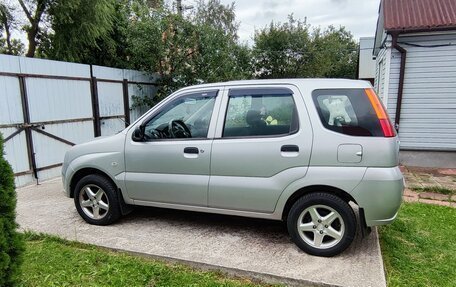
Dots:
pixel 260 112
pixel 347 111
pixel 187 116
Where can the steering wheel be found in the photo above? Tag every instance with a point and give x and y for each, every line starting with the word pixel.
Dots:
pixel 178 129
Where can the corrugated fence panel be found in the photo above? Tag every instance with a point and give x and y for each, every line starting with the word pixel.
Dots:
pixel 107 73
pixel 110 97
pixel 11 113
pixel 10 108
pixel 138 90
pixel 53 68
pixel 51 99
pixel 16 155
pixel 62 92
pixel 428 113
pixel 50 151
pixel 55 100
pixel 111 126
pixel 9 64
pixel 77 132
pixel 135 90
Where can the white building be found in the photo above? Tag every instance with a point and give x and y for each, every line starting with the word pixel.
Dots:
pixel 415 50
pixel 366 63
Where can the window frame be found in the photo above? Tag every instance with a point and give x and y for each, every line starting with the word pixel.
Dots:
pixel 277 90
pixel 155 112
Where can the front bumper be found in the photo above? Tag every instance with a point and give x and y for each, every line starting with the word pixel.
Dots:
pixel 65 182
pixel 380 195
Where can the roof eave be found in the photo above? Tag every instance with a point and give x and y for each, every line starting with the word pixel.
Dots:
pixel 419 29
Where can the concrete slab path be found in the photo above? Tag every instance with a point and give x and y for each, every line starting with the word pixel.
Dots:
pixel 253 248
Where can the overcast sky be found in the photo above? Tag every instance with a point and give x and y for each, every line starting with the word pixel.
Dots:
pixel 358 16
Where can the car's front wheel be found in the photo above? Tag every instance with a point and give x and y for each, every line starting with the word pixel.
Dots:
pixel 321 224
pixel 96 200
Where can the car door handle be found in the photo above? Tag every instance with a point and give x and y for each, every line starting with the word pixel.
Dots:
pixel 289 148
pixel 192 150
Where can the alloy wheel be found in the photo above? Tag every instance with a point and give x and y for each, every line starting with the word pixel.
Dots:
pixel 321 226
pixel 93 201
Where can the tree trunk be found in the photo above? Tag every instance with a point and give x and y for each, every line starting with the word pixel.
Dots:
pixel 32 32
pixel 31 36
pixel 8 39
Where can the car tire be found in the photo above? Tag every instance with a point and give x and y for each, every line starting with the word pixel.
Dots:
pixel 96 200
pixel 321 224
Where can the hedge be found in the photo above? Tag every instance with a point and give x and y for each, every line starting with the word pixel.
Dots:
pixel 11 242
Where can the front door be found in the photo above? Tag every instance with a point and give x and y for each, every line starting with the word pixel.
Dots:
pixel 171 164
pixel 263 143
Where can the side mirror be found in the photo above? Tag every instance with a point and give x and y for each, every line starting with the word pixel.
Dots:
pixel 138 134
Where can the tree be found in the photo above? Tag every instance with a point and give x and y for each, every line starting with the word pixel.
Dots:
pixel 222 57
pixel 34 17
pixel 188 50
pixel 60 29
pixel 337 53
pixel 214 14
pixel 283 50
pixel 11 242
pixel 293 49
pixel 78 24
pixel 112 49
pixel 8 45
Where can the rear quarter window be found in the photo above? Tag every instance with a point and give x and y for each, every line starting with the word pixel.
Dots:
pixel 347 111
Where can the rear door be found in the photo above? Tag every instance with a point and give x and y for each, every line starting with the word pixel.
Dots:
pixel 262 143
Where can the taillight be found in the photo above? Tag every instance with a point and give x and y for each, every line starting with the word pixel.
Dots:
pixel 387 127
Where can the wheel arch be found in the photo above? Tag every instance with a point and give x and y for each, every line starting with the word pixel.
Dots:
pixel 84 172
pixel 345 196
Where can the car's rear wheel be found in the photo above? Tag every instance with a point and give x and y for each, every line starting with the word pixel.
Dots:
pixel 321 224
pixel 96 200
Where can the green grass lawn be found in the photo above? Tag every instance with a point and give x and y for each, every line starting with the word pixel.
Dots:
pixel 50 261
pixel 419 248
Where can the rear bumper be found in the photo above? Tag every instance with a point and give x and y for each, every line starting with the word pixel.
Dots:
pixel 380 195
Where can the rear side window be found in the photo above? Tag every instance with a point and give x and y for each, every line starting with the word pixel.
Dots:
pixel 347 111
pixel 260 112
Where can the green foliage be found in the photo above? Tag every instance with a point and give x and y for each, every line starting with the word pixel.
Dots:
pixel 187 51
pixel 76 26
pixel 293 50
pixel 213 13
pixel 419 247
pixel 112 48
pixel 336 53
pixel 11 242
pixel 283 50
pixel 9 45
pixel 51 261
pixel 16 48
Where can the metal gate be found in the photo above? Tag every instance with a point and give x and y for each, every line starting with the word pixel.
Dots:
pixel 48 106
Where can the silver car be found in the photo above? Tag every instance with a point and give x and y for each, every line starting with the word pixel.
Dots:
pixel 296 150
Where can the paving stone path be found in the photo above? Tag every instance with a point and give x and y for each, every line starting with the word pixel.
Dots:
pixel 421 178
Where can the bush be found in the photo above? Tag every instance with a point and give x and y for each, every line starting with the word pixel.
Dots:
pixel 11 242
